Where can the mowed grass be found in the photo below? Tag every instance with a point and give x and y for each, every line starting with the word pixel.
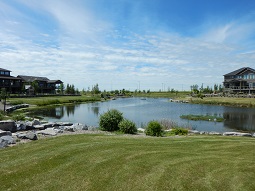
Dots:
pixel 44 101
pixel 227 101
pixel 117 162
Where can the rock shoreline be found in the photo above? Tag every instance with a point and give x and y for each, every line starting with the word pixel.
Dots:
pixel 12 133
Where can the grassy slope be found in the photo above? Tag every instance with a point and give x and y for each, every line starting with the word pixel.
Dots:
pixel 228 101
pixel 102 162
pixel 41 101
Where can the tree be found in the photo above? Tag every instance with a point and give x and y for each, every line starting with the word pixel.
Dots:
pixel 61 88
pixel 95 89
pixel 35 86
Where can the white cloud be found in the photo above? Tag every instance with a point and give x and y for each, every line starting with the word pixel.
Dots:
pixel 79 54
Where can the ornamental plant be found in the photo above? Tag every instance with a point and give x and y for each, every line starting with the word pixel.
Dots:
pixel 154 128
pixel 109 121
pixel 127 126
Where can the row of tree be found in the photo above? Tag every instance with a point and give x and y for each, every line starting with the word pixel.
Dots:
pixel 207 90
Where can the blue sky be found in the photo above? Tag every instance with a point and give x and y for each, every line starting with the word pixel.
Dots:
pixel 128 43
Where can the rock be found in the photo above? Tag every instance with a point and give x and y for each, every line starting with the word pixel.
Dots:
pixel 79 126
pixel 63 124
pixel 229 134
pixel 8 125
pixel 203 132
pixel 237 134
pixel 194 132
pixel 40 127
pixel 9 139
pixel 36 122
pixel 29 125
pixel 5 133
pixel 69 128
pixel 48 125
pixel 28 135
pixel 21 135
pixel 21 126
pixel 214 133
pixel 31 135
pixel 244 134
pixel 48 131
pixel 57 130
pixel 3 143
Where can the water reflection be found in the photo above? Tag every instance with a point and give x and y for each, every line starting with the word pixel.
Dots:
pixel 143 111
pixel 94 108
pixel 241 121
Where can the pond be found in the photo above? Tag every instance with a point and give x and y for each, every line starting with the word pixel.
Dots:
pixel 143 110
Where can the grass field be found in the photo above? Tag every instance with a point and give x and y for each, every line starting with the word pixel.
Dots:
pixel 44 101
pixel 117 162
pixel 227 101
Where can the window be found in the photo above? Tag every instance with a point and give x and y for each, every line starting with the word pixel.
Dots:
pixel 7 73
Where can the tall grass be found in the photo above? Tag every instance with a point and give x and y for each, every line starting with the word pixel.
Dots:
pixel 101 162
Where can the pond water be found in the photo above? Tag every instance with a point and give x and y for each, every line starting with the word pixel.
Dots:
pixel 143 110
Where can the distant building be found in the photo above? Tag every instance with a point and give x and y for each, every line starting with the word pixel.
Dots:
pixel 40 84
pixel 240 81
pixel 10 83
pixel 30 84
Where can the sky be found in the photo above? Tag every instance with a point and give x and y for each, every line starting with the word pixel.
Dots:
pixel 131 44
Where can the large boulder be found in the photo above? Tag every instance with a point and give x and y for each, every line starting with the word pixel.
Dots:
pixel 194 132
pixel 3 143
pixel 237 134
pixel 21 126
pixel 8 125
pixel 6 140
pixel 79 127
pixel 48 131
pixel 27 135
pixel 64 124
pixel 36 122
pixel 4 133
pixel 214 133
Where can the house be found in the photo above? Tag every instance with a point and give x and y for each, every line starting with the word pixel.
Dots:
pixel 40 84
pixel 10 83
pixel 240 81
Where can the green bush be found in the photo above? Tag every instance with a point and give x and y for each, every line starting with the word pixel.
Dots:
pixel 127 126
pixel 154 128
pixel 110 120
pixel 1 115
pixel 179 131
pixel 19 117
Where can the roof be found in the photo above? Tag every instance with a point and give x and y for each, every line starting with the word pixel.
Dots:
pixel 10 77
pixel 4 70
pixel 241 70
pixel 33 78
pixel 55 81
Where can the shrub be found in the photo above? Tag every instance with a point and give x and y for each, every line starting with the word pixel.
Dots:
pixel 154 129
pixel 110 120
pixel 180 131
pixel 19 117
pixel 1 115
pixel 127 126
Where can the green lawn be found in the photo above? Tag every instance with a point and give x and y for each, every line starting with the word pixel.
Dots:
pixel 117 162
pixel 44 101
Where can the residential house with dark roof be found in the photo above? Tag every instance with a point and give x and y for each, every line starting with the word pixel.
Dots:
pixel 10 83
pixel 40 84
pixel 241 80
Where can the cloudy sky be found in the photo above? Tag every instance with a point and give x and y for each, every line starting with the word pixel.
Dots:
pixel 151 44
